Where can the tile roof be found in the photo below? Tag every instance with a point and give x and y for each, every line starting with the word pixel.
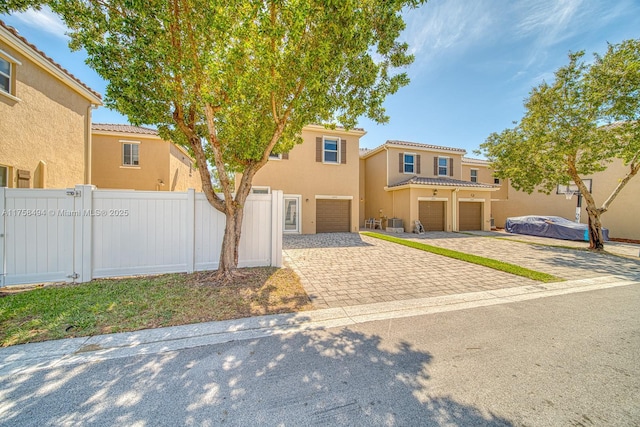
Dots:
pixel 475 161
pixel 425 146
pixel 107 127
pixel 17 35
pixel 447 182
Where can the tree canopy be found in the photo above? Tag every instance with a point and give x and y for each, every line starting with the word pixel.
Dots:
pixel 575 126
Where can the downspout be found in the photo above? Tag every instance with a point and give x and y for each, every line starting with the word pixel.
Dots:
pixel 88 145
pixel 454 209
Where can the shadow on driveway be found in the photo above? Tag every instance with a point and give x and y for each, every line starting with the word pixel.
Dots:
pixel 322 240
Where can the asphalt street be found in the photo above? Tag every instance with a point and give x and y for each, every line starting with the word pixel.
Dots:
pixel 564 360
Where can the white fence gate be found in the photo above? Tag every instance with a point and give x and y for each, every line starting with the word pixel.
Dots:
pixel 82 233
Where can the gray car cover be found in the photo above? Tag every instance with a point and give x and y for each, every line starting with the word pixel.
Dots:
pixel 550 226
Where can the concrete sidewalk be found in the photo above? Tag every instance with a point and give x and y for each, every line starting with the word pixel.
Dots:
pixel 30 357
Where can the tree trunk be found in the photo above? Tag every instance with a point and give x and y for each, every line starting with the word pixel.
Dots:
pixel 231 241
pixel 596 238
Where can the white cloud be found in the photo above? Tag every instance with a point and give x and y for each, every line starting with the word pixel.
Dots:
pixel 44 20
pixel 449 27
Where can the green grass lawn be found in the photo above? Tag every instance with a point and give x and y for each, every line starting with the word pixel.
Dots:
pixel 118 305
pixel 474 259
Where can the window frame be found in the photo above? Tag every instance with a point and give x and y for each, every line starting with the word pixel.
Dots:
pixel 473 178
pixel 13 63
pixel 496 181
pixel 260 189
pixel 338 141
pixel 6 176
pixel 412 164
pixel 446 166
pixel 122 158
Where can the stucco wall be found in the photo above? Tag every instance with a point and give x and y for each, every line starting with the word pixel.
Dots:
pixel 485 176
pixel 620 219
pixel 378 202
pixel 426 164
pixel 109 172
pixel 182 172
pixel 300 174
pixel 47 124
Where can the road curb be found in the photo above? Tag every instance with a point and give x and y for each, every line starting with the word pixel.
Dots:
pixel 45 355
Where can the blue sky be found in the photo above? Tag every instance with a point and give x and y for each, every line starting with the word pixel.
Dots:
pixel 476 61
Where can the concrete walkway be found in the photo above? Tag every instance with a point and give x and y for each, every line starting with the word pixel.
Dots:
pixel 347 269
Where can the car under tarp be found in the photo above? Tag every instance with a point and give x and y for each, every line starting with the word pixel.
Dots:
pixel 550 226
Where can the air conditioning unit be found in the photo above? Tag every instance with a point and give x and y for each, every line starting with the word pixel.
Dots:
pixel 394 223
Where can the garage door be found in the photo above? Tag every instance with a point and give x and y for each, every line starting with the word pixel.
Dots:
pixel 470 216
pixel 431 215
pixel 333 216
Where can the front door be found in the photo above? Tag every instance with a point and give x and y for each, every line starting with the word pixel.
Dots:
pixel 292 214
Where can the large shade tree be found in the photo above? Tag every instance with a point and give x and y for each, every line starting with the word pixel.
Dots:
pixel 574 127
pixel 236 81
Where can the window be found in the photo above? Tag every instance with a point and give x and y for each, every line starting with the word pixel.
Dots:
pixel 5 75
pixel 274 156
pixel 130 154
pixel 409 163
pixel 443 166
pixel 260 190
pixel 331 150
pixel 474 175
pixel 496 181
pixel 4 176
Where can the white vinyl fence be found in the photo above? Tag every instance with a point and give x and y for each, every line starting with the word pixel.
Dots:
pixel 78 234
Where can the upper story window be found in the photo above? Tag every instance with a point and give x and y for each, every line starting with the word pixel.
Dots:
pixel 331 150
pixel 474 175
pixel 5 75
pixel 496 181
pixel 274 156
pixel 131 154
pixel 443 166
pixel 409 163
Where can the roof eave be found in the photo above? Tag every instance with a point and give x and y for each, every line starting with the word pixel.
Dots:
pixel 44 63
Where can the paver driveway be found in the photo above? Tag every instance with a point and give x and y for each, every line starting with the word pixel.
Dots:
pixel 343 269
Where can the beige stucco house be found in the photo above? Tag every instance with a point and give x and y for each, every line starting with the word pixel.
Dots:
pixel 619 219
pixel 413 181
pixel 45 130
pixel 136 158
pixel 320 181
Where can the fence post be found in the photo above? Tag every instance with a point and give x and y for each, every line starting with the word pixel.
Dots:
pixel 3 261
pixel 277 201
pixel 83 262
pixel 191 230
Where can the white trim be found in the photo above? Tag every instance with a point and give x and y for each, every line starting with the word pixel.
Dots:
pixel 298 229
pixel 472 199
pixel 338 149
pixel 341 131
pixel 322 196
pixel 433 199
pixel 9 57
pixel 414 164
pixel 8 95
pixel 122 144
pixel 260 187
pixel 471 175
pixel 448 172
